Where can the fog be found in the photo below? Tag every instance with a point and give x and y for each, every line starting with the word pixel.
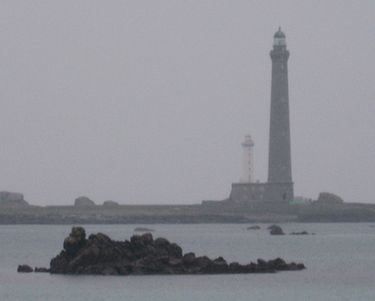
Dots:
pixel 148 101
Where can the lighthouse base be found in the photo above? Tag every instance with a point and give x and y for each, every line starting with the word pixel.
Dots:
pixel 264 192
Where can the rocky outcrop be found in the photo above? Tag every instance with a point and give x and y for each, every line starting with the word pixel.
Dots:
pixel 142 254
pixel 275 230
pixel 12 199
pixel 83 201
pixel 24 268
pixel 75 241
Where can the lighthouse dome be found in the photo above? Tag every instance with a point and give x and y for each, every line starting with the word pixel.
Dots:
pixel 279 34
pixel 279 38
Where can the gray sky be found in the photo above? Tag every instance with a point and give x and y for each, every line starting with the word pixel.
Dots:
pixel 148 101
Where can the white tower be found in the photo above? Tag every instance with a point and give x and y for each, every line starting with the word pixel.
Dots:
pixel 248 160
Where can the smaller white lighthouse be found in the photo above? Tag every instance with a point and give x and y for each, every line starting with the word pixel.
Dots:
pixel 248 160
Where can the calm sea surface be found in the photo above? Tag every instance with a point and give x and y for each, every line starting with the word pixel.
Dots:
pixel 340 262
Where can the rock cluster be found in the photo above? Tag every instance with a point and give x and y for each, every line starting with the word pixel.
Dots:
pixel 277 230
pixel 145 255
pixel 24 268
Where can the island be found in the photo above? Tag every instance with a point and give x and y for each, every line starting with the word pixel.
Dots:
pixel 327 208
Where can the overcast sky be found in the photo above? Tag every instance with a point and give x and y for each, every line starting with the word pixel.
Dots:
pixel 148 101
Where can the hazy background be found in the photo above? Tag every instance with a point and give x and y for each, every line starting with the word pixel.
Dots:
pixel 148 101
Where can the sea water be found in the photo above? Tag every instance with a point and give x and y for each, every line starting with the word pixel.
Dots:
pixel 340 261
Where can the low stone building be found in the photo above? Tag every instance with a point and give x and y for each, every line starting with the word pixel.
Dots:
pixel 12 199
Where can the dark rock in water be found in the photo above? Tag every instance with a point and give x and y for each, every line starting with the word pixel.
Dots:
pixel 255 227
pixel 141 229
pixel 301 233
pixel 24 268
pixel 275 230
pixel 83 201
pixel 41 270
pixel 141 255
pixel 28 269
pixel 272 226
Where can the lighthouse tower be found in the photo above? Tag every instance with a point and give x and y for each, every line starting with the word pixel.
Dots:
pixel 279 160
pixel 247 160
pixel 277 192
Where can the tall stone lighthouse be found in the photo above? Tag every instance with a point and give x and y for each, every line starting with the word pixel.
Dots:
pixel 278 190
pixel 279 157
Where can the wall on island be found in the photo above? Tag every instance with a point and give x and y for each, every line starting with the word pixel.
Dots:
pixel 264 192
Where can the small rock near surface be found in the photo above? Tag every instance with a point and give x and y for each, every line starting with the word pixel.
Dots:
pixel 255 227
pixel 301 233
pixel 276 230
pixel 24 268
